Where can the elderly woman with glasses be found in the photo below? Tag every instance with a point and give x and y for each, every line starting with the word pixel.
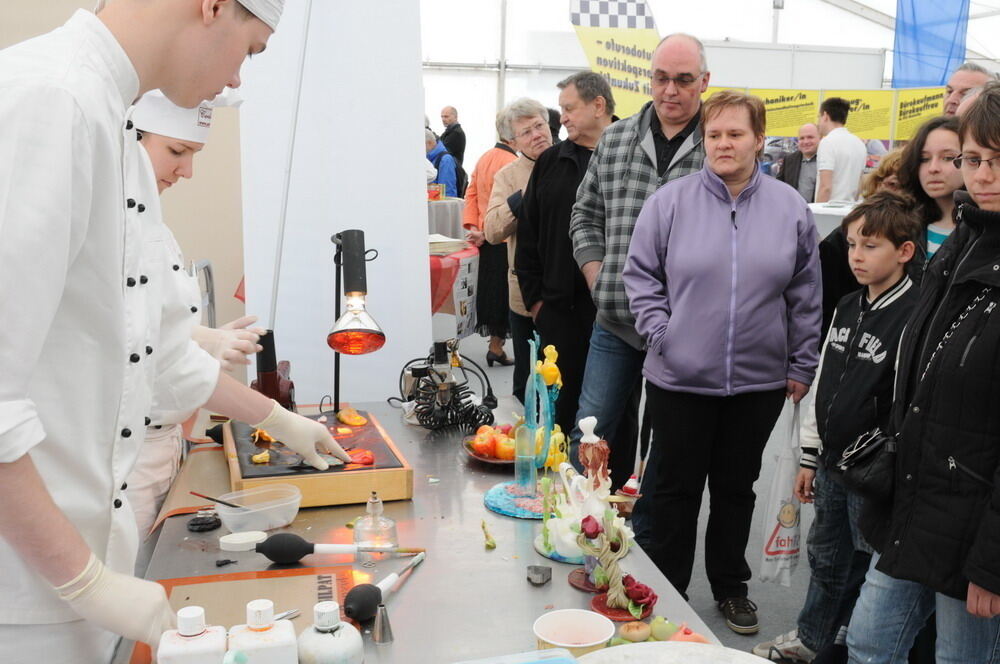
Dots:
pixel 939 535
pixel 723 279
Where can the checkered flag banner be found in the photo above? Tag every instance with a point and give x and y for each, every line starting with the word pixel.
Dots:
pixel 611 14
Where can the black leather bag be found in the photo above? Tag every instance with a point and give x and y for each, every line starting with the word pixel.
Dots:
pixel 868 465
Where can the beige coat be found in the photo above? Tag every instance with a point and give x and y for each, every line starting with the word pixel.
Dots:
pixel 500 224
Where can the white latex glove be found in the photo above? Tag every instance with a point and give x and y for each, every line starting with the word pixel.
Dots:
pixel 134 608
pixel 303 436
pixel 231 343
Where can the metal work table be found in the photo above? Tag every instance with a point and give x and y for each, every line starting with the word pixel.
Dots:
pixel 463 602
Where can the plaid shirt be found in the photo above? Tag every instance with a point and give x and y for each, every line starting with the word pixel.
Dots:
pixel 621 176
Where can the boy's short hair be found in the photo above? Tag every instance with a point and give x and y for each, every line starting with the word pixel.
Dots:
pixel 886 214
pixel 837 108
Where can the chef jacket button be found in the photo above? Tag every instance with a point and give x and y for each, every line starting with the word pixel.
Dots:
pixel 130 203
pixel 118 503
pixel 149 350
pixel 129 125
pixel 126 433
pixel 177 267
pixel 194 310
pixel 141 208
pixel 133 358
pixel 143 279
pixel 147 420
pixel 130 282
pixel 124 485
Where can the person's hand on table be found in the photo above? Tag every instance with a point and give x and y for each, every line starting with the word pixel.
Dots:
pixel 134 608
pixel 795 390
pixel 303 436
pixel 804 485
pixel 232 343
pixel 475 237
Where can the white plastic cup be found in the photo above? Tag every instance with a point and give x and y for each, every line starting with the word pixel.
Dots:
pixel 576 630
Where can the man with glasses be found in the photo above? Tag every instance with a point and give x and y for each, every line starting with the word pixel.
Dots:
pixel 634 157
pixel 554 290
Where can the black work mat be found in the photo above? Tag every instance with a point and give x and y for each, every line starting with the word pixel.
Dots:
pixel 285 462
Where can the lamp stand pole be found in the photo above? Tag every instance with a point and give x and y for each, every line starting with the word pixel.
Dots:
pixel 338 262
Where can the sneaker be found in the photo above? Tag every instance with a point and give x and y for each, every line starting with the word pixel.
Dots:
pixel 787 647
pixel 741 615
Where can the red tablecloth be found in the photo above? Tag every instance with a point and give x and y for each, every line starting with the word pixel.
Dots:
pixel 444 269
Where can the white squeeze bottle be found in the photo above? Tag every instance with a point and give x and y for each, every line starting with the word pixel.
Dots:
pixel 192 642
pixel 330 641
pixel 264 639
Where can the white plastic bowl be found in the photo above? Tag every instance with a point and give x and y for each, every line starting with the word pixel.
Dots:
pixel 267 508
pixel 576 630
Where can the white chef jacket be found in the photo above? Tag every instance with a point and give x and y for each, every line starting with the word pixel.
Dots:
pixel 79 266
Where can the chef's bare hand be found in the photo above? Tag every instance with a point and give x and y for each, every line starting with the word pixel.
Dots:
pixel 981 602
pixel 134 608
pixel 804 485
pixel 795 390
pixel 303 436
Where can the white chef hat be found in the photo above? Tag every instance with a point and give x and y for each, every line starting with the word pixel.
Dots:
pixel 158 115
pixel 268 11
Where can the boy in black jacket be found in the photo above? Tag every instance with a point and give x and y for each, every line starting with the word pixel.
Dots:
pixel 853 395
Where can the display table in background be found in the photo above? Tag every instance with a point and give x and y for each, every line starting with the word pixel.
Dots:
pixel 453 293
pixel 464 601
pixel 829 215
pixel 445 217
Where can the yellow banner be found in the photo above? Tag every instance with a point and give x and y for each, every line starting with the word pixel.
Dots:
pixel 913 107
pixel 622 56
pixel 871 111
pixel 787 110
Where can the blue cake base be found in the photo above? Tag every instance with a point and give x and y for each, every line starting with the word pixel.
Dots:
pixel 553 555
pixel 499 500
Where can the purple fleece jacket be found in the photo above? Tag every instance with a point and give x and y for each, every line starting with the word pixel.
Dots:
pixel 726 293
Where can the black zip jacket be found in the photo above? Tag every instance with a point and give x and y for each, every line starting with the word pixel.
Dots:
pixel 543 260
pixel 942 528
pixel 857 369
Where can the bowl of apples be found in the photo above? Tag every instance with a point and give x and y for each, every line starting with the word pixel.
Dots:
pixel 491 444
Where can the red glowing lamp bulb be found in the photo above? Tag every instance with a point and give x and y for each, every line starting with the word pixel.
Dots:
pixel 356 332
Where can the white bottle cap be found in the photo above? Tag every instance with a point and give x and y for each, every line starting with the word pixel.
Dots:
pixel 587 426
pixel 260 613
pixel 326 615
pixel 191 621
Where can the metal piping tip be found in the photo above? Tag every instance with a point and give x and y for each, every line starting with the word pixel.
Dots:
pixel 382 632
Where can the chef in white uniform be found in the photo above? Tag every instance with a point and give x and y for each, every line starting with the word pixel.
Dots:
pixel 80 363
pixel 171 136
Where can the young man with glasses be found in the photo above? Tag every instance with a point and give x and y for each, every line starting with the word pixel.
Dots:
pixel 634 157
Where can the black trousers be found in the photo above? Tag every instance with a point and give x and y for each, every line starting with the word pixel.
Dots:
pixel 695 438
pixel 568 329
pixel 521 329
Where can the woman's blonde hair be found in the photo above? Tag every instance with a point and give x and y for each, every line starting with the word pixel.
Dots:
pixel 888 165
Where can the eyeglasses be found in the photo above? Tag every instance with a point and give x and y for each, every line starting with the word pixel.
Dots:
pixel 973 163
pixel 682 81
pixel 538 126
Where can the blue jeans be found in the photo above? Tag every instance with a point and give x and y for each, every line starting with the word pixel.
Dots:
pixel 612 387
pixel 833 539
pixel 890 612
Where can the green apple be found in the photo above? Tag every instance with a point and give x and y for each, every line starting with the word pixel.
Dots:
pixel 662 629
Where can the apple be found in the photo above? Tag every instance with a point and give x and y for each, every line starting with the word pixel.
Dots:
pixel 662 629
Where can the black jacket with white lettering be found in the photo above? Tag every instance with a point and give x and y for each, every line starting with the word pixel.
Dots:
pixel 854 386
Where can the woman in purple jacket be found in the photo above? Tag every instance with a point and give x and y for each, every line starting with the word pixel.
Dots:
pixel 723 278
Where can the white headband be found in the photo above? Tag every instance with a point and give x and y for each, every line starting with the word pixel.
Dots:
pixel 268 11
pixel 158 115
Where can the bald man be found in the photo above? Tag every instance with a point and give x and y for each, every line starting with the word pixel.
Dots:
pixel 799 168
pixel 453 136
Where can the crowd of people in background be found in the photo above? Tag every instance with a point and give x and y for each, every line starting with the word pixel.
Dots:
pixel 659 247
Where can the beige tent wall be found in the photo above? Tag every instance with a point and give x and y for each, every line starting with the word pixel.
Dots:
pixel 204 213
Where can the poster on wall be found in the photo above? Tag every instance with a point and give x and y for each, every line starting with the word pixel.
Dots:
pixel 618 39
pixel 787 110
pixel 914 107
pixel 871 111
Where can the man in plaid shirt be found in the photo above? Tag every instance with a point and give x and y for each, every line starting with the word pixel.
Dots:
pixel 634 157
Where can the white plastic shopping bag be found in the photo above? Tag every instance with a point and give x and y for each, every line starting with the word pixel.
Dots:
pixel 781 530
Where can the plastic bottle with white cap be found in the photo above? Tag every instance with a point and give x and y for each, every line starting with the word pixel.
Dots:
pixel 193 642
pixel 264 639
pixel 329 640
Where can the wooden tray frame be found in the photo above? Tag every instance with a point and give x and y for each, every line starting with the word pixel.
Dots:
pixel 324 489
